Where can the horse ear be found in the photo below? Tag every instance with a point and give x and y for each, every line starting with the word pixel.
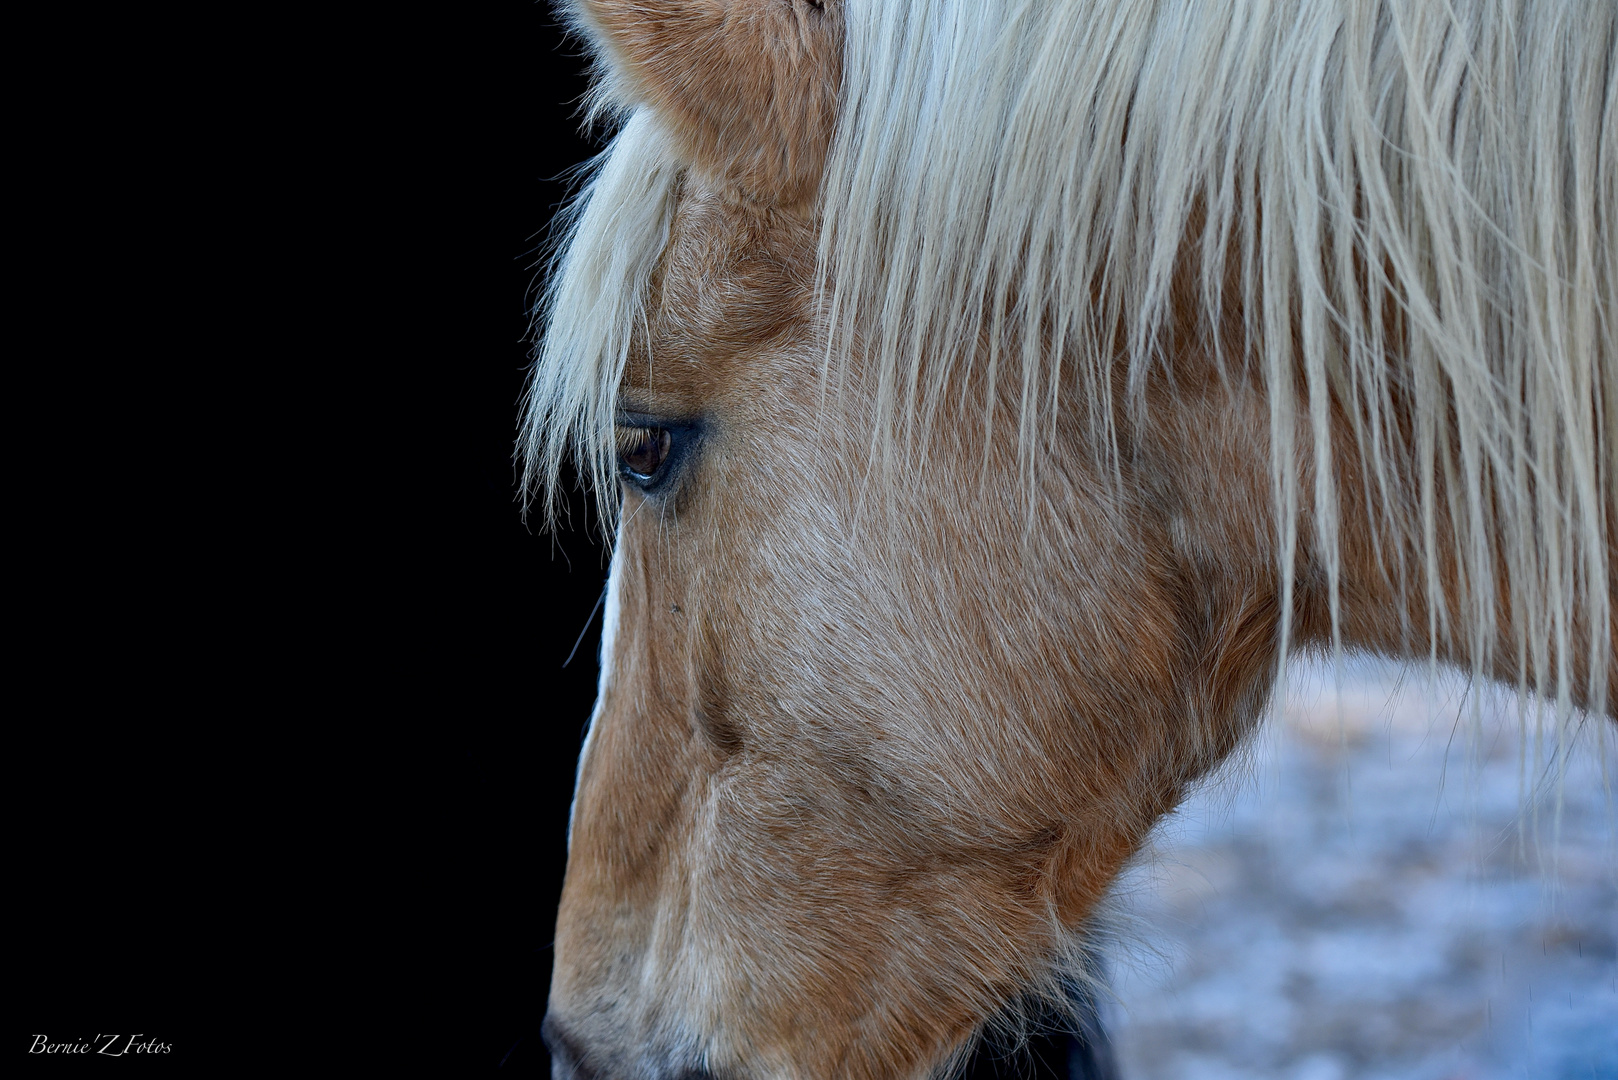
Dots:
pixel 748 87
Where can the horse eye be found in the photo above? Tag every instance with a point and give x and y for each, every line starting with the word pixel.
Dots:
pixel 643 451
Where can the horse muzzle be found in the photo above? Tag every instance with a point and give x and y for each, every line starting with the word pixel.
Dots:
pixel 572 1058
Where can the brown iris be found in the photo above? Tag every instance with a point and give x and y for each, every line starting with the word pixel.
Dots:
pixel 643 450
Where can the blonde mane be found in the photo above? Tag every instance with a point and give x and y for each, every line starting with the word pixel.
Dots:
pixel 1408 202
pixel 608 243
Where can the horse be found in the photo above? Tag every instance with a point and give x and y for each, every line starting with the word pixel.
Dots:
pixel 986 398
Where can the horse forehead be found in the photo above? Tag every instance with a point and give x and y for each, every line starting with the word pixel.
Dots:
pixel 732 277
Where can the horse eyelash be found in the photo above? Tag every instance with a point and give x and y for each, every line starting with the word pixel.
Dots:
pixel 634 432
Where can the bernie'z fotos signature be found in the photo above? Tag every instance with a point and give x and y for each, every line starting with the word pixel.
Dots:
pixel 110 1046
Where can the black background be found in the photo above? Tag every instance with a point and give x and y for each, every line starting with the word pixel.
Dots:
pixel 291 743
pixel 516 599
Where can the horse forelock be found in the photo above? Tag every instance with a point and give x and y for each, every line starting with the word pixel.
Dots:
pixel 1403 209
pixel 607 247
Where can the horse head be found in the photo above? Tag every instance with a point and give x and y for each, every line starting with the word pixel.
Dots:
pixel 892 685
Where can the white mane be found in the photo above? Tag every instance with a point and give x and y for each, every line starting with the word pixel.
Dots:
pixel 1034 174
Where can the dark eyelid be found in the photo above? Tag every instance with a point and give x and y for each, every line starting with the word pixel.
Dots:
pixel 684 433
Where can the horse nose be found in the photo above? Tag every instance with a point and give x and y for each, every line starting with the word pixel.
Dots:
pixel 567 1057
pixel 571 1061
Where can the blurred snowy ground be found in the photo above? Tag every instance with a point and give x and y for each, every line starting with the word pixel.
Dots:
pixel 1379 889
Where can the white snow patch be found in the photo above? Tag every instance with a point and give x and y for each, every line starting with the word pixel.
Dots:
pixel 1382 888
